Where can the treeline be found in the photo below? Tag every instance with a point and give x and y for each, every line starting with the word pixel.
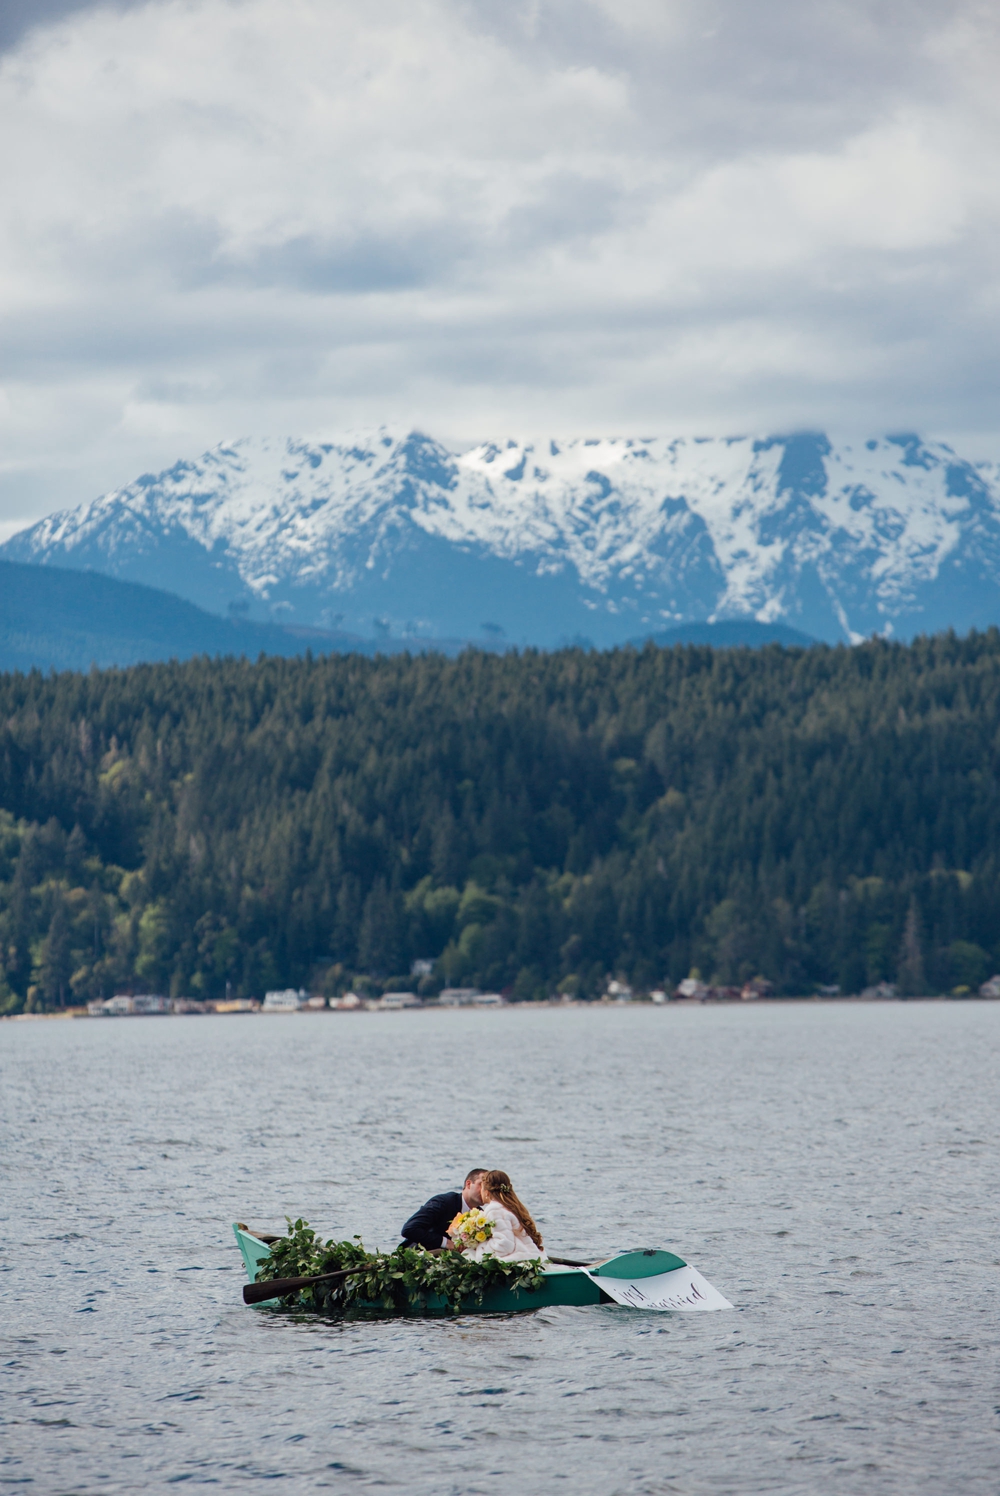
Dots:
pixel 530 822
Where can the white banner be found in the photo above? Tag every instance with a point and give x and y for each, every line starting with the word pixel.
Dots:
pixel 683 1289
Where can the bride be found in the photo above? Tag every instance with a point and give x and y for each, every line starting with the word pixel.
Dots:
pixel 515 1236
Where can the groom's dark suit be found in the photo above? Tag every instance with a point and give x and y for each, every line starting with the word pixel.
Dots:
pixel 427 1226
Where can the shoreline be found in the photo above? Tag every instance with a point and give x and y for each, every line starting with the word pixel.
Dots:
pixel 550 1006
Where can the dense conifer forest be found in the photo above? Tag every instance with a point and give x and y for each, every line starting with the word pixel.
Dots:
pixel 532 822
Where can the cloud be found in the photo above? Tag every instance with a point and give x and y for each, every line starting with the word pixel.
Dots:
pixel 18 17
pixel 244 215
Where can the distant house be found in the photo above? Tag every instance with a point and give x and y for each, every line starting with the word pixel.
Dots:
pixel 396 1000
pixel 147 1003
pixel 123 1004
pixel 288 1001
pixel 458 997
pixel 118 1006
pixel 350 1001
pixel 990 988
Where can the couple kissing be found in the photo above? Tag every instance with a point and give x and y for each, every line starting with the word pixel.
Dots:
pixel 483 1219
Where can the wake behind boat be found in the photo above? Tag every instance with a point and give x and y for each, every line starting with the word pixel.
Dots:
pixel 648 1278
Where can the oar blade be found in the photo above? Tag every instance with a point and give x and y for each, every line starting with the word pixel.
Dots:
pixel 682 1290
pixel 260 1293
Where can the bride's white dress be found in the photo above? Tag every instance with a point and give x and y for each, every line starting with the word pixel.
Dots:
pixel 509 1241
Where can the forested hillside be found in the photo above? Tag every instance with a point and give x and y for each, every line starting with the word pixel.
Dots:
pixel 534 822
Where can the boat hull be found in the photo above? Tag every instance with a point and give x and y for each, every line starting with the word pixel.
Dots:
pixel 562 1285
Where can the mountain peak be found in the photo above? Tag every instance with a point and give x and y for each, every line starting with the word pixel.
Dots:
pixel 605 538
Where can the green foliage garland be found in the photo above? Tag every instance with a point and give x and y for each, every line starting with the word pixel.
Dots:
pixel 398 1281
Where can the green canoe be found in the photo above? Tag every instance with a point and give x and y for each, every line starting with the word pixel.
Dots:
pixel 563 1285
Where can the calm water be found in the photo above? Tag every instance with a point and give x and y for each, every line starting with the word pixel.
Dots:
pixel 833 1170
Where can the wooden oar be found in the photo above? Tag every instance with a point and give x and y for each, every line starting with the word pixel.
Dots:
pixel 277 1288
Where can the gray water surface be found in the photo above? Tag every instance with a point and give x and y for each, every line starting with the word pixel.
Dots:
pixel 831 1169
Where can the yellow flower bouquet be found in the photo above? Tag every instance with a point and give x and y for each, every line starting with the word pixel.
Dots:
pixel 471 1228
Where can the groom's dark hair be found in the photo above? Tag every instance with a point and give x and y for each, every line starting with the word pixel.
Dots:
pixel 474 1174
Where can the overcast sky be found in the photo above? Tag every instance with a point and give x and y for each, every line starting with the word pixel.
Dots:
pixel 483 217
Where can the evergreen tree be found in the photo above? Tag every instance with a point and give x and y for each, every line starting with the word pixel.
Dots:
pixel 56 964
pixel 911 962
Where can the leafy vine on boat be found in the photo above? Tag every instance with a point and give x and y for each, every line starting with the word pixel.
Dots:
pixel 408 1276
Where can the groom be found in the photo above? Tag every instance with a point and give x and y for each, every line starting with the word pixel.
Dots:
pixel 428 1225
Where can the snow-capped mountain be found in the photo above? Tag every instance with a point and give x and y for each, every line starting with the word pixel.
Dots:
pixel 379 533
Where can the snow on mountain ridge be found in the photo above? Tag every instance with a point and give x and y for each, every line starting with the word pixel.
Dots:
pixel 602 536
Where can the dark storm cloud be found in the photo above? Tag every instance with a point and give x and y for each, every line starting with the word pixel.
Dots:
pixel 18 17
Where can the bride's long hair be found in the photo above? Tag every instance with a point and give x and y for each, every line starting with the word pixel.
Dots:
pixel 496 1184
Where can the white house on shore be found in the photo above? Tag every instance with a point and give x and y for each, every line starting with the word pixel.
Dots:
pixel 288 1001
pixel 123 1005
